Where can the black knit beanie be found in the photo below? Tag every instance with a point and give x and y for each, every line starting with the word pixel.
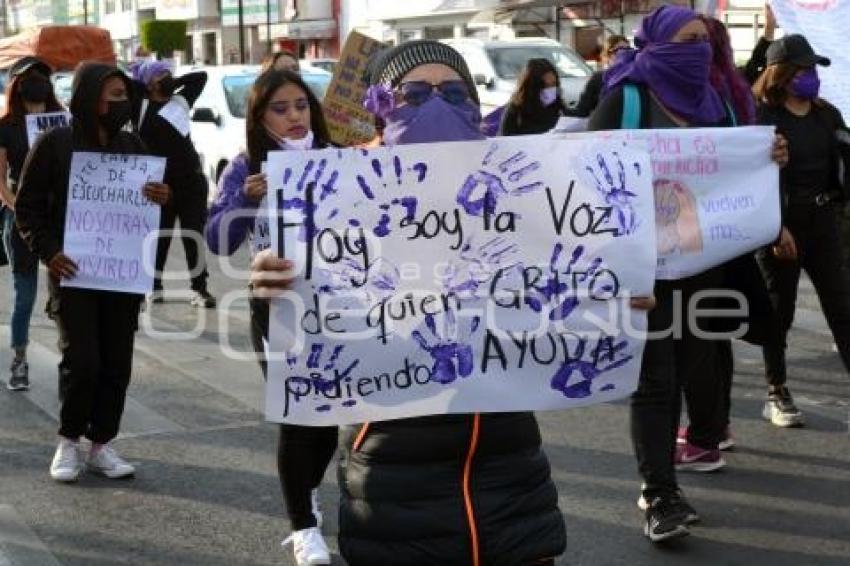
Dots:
pixel 391 65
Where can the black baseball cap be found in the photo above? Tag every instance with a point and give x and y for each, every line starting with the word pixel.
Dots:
pixel 794 49
pixel 24 64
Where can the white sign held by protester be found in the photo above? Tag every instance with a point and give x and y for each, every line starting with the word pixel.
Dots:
pixel 825 24
pixel 37 124
pixel 458 277
pixel 716 194
pixel 108 221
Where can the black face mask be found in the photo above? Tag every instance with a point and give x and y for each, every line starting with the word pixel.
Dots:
pixel 166 86
pixel 35 89
pixel 115 118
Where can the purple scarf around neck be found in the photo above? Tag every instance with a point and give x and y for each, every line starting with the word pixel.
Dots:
pixel 676 73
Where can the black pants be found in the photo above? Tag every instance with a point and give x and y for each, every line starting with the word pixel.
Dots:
pixel 303 452
pixel 191 210
pixel 669 364
pixel 96 334
pixel 820 253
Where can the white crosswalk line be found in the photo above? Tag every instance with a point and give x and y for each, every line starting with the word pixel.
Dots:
pixel 44 391
pixel 19 545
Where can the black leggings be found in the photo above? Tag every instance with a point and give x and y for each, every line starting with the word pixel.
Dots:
pixel 303 452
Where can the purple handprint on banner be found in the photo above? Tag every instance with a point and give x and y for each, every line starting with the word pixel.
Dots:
pixel 497 177
pixel 382 279
pixel 370 183
pixel 316 369
pixel 478 264
pixel 452 357
pixel 614 191
pixel 561 284
pixel 590 370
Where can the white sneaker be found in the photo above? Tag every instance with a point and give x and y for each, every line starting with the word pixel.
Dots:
pixel 314 502
pixel 780 409
pixel 107 462
pixel 67 461
pixel 309 547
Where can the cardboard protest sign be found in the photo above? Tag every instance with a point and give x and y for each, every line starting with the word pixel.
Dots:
pixel 38 124
pixel 824 23
pixel 108 221
pixel 716 194
pixel 349 123
pixel 458 277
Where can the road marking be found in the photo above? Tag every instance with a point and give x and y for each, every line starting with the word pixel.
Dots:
pixel 19 545
pixel 44 391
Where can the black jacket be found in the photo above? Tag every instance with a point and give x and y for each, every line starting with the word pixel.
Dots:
pixel 183 167
pixel 43 192
pixel 440 490
pixel 518 122
pixel 831 119
pixel 590 96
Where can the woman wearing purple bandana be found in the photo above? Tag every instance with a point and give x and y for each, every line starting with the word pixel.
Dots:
pixel 671 70
pixel 444 489
pixel 812 187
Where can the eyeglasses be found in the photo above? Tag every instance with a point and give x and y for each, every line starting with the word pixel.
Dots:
pixel 419 92
pixel 300 105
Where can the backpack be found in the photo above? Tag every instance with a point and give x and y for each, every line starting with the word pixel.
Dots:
pixel 633 108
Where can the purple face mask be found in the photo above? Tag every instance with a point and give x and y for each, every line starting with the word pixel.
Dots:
pixel 806 85
pixel 434 121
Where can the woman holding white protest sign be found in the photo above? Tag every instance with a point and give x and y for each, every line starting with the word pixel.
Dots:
pixel 96 328
pixel 812 190
pixel 28 92
pixel 282 114
pixel 443 489
pixel 666 83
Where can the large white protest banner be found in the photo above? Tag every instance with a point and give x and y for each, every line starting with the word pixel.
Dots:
pixel 38 124
pixel 458 277
pixel 108 221
pixel 825 24
pixel 716 194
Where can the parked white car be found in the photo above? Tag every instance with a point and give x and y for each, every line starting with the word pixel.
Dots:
pixel 496 65
pixel 218 117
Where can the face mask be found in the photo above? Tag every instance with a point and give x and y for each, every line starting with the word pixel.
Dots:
pixel 806 85
pixel 287 143
pixel 35 90
pixel 166 86
pixel 116 116
pixel 435 120
pixel 549 95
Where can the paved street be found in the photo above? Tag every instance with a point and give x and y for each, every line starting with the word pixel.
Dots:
pixel 206 490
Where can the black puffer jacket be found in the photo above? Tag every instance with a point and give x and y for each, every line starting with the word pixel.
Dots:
pixel 448 490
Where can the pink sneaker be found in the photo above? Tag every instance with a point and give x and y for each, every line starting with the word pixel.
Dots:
pixel 690 458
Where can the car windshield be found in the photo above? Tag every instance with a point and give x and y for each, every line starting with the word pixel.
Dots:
pixel 237 87
pixel 510 61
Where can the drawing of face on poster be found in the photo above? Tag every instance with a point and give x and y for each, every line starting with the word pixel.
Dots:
pixel 677 224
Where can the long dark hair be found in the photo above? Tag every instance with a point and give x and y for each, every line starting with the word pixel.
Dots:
pixel 15 110
pixel 530 83
pixel 259 141
pixel 725 78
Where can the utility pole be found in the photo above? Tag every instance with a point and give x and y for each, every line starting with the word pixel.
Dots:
pixel 85 12
pixel 269 26
pixel 241 33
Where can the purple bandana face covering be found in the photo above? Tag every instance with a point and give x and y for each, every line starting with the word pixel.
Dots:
pixel 434 121
pixel 806 85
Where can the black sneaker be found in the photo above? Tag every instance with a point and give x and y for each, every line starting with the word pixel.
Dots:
pixel 203 299
pixel 679 501
pixel 20 380
pixel 665 520
pixel 780 409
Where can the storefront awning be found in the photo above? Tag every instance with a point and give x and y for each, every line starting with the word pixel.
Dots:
pixel 300 29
